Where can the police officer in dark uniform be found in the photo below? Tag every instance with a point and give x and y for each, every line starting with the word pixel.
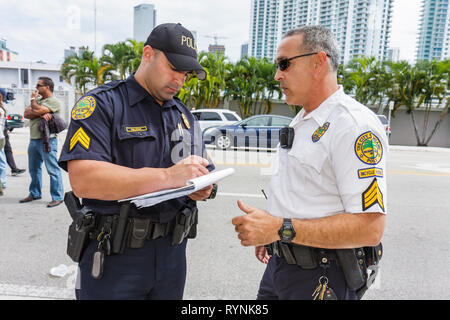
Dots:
pixel 128 138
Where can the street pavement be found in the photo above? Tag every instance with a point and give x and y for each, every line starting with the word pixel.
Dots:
pixel 416 242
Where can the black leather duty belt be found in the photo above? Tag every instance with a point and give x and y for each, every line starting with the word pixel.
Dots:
pixel 303 256
pixel 139 228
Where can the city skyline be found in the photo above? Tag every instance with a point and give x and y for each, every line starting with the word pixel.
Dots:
pixel 37 39
pixel 434 31
pixel 360 27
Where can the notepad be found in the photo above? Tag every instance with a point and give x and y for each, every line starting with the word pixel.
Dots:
pixel 192 185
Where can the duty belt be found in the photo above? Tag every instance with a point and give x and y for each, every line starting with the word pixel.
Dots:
pixel 303 256
pixel 150 230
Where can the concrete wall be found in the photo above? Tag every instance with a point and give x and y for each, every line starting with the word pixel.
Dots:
pixel 403 129
pixel 401 125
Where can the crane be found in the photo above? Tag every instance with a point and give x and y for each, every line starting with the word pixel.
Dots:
pixel 215 37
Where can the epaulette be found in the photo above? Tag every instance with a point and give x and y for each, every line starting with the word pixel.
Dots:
pixel 181 104
pixel 105 87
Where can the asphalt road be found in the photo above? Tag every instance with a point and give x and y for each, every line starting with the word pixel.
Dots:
pixel 416 242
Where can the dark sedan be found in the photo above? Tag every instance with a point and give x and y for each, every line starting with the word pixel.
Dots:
pixel 14 121
pixel 261 131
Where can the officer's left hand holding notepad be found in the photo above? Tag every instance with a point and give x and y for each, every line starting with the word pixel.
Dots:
pixel 193 185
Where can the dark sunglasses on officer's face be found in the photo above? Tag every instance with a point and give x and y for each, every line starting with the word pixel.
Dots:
pixel 283 64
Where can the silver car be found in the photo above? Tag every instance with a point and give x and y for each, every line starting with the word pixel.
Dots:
pixel 385 123
pixel 208 118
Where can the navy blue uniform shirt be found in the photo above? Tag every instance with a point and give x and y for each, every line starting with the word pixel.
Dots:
pixel 121 123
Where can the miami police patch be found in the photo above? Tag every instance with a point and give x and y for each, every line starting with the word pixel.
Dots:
pixel 84 108
pixel 368 148
pixel 320 132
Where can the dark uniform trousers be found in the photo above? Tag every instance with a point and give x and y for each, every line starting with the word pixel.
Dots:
pixel 282 281
pixel 156 271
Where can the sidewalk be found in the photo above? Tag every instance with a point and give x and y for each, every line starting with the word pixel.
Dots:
pixel 418 149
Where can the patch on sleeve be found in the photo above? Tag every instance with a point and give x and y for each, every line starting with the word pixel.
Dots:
pixel 372 196
pixel 370 172
pixel 368 148
pixel 320 132
pixel 80 137
pixel 84 108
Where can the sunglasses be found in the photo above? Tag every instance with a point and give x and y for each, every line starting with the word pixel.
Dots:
pixel 40 85
pixel 283 64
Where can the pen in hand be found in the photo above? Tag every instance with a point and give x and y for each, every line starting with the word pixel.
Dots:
pixel 262 190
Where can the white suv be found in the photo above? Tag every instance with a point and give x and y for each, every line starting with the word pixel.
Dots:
pixel 208 118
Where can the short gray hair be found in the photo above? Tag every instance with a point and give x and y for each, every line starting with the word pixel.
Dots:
pixel 318 38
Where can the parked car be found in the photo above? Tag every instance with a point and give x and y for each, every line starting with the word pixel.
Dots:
pixel 215 117
pixel 385 123
pixel 15 120
pixel 260 131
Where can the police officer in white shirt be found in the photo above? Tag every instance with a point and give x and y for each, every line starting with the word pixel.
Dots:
pixel 329 187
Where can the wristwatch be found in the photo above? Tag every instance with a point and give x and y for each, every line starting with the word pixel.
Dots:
pixel 213 192
pixel 287 232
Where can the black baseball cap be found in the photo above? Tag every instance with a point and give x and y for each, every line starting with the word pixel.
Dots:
pixel 178 45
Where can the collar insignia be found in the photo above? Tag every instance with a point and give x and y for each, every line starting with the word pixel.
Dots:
pixel 186 121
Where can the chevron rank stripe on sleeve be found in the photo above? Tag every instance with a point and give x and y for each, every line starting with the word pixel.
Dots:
pixel 372 196
pixel 80 137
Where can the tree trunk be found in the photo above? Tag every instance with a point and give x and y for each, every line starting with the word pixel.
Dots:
pixel 416 131
pixel 438 123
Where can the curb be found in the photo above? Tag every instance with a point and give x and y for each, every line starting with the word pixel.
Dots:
pixel 419 149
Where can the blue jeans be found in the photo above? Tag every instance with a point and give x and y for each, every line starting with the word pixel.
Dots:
pixel 36 156
pixel 2 166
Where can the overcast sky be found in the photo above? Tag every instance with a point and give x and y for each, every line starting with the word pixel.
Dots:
pixel 41 30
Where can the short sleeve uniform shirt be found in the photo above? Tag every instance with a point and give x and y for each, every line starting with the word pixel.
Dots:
pixel 122 123
pixel 337 163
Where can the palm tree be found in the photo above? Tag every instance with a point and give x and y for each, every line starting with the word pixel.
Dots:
pixel 118 56
pixel 86 71
pixel 135 54
pixel 362 76
pixel 251 83
pixel 419 86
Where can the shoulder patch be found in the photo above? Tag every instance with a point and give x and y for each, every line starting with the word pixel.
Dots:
pixel 320 132
pixel 368 148
pixel 80 137
pixel 84 108
pixel 372 196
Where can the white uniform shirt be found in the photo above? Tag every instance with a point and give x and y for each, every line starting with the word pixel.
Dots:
pixel 337 163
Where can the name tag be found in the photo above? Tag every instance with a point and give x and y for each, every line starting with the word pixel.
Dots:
pixel 136 129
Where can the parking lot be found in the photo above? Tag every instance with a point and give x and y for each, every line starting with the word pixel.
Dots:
pixel 416 242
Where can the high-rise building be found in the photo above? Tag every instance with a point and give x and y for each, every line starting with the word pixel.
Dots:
pixel 7 54
pixel 244 50
pixel 144 21
pixel 361 27
pixel 393 54
pixel 434 31
pixel 264 28
pixel 69 52
pixel 216 48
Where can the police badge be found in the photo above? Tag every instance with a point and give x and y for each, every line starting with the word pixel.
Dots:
pixel 320 132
